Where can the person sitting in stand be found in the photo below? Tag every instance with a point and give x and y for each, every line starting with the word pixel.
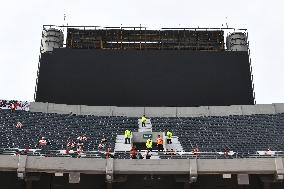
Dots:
pixel 109 154
pixel 2 103
pixel 104 140
pixel 226 152
pixel 269 152
pixel 133 152
pixel 71 145
pixel 80 145
pixel 43 141
pixel 196 151
pixel 26 151
pixel 101 146
pixel 140 155
pixel 19 125
pixel 79 151
pixel 13 107
pixel 143 121
pixel 147 154
pixel 82 138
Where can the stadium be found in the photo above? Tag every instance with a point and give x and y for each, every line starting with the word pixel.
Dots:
pixel 98 82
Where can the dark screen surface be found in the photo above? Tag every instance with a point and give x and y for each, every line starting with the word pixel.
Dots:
pixel 145 78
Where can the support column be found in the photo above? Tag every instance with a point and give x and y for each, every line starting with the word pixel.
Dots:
pixel 279 168
pixel 21 171
pixel 193 170
pixel 109 170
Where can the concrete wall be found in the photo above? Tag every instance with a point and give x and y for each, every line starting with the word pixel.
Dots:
pixel 248 110
pixel 225 110
pixel 259 109
pixel 265 108
pixel 39 107
pixel 279 107
pixel 158 111
pixel 63 108
pixel 154 166
pixel 193 111
pixel 128 111
pixel 96 110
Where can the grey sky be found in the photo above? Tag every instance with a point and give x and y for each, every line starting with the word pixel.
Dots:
pixel 21 25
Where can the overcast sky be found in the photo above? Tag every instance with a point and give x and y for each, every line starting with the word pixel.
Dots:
pixel 21 26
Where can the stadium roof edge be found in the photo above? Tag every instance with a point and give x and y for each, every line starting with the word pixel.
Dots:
pixel 158 111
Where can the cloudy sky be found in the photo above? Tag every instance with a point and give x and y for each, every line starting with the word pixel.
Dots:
pixel 21 26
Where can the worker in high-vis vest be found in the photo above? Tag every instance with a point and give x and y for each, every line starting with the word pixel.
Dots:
pixel 127 136
pixel 149 144
pixel 160 142
pixel 169 137
pixel 143 121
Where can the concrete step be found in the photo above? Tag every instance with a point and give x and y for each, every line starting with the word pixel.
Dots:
pixel 176 146
pixel 144 129
pixel 120 139
pixel 120 145
pixel 147 128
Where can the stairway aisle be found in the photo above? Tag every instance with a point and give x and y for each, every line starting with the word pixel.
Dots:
pixel 148 127
pixel 120 145
pixel 176 145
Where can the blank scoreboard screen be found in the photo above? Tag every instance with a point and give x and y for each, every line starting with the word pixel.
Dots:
pixel 145 78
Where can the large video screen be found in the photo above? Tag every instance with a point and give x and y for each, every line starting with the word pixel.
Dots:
pixel 144 78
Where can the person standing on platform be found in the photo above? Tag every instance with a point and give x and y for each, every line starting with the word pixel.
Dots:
pixel 127 136
pixel 149 144
pixel 143 121
pixel 160 142
pixel 169 137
